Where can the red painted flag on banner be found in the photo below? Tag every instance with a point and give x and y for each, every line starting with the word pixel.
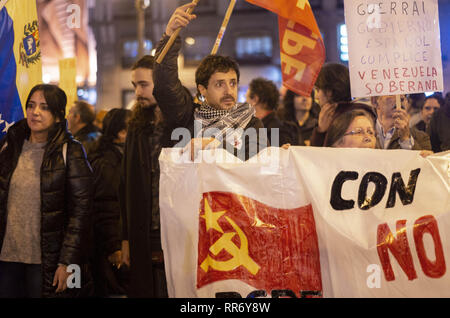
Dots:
pixel 268 248
pixel 302 49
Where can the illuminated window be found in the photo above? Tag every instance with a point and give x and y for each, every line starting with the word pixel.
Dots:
pixel 254 49
pixel 199 47
pixel 130 51
pixel 343 42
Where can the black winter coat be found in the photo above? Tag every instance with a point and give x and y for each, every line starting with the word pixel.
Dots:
pixel 66 199
pixel 106 162
pixel 106 159
pixel 139 203
pixel 286 131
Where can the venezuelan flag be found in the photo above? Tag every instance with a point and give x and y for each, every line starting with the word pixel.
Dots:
pixel 20 58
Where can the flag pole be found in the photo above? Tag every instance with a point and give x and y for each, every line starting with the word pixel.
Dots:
pixel 173 37
pixel 398 103
pixel 223 27
pixel 3 3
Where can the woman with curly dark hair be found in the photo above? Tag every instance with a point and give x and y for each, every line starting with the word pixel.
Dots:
pixel 45 202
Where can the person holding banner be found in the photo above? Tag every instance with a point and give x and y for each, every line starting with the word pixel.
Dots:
pixel 219 121
pixel 392 125
pixel 352 129
pixel 45 202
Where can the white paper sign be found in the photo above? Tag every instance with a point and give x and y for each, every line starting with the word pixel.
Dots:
pixel 394 47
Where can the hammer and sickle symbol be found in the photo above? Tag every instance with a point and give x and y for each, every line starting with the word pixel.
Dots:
pixel 240 255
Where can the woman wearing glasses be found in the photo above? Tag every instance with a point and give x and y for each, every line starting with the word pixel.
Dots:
pixel 352 129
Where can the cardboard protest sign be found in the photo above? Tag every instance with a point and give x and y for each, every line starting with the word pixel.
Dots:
pixel 394 47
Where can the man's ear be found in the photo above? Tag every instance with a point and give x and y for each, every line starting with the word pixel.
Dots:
pixel 201 89
pixel 255 99
pixel 77 118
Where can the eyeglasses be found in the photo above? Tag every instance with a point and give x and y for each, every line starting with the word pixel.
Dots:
pixel 361 132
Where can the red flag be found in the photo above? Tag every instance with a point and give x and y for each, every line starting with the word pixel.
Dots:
pixel 302 49
pixel 265 247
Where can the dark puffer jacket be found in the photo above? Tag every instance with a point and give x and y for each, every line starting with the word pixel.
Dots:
pixel 66 202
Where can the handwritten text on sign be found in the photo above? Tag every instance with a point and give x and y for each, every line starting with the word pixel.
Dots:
pixel 394 47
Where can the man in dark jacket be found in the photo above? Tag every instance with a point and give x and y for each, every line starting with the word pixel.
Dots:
pixel 221 121
pixel 263 95
pixel 139 189
pixel 393 131
pixel 81 123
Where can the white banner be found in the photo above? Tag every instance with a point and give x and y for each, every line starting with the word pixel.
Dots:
pixel 394 47
pixel 320 222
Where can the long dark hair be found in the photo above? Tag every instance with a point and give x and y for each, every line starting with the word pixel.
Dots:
pixel 144 117
pixel 54 96
pixel 288 112
pixel 114 121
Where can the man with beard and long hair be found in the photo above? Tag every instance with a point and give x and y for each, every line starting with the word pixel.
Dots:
pixel 219 120
pixel 139 189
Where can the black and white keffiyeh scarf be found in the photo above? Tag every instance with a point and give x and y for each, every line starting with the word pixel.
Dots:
pixel 220 123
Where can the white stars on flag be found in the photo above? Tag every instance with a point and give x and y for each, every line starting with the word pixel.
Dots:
pixel 6 124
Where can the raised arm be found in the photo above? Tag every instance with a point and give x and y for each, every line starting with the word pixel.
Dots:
pixel 174 101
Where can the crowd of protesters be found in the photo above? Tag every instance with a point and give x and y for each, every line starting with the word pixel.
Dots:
pixel 71 193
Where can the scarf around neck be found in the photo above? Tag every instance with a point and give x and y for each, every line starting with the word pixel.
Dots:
pixel 219 123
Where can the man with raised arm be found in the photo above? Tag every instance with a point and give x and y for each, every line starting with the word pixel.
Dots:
pixel 220 120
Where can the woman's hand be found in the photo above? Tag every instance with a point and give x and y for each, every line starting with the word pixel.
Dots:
pixel 326 116
pixel 116 258
pixel 426 153
pixel 125 253
pixel 60 278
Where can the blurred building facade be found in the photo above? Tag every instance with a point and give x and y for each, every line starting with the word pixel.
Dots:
pixel 251 38
pixel 65 33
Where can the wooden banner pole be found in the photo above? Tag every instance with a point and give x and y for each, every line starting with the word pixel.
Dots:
pixel 173 37
pixel 398 102
pixel 223 27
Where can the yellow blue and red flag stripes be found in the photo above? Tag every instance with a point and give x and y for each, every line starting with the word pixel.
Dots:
pixel 20 59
